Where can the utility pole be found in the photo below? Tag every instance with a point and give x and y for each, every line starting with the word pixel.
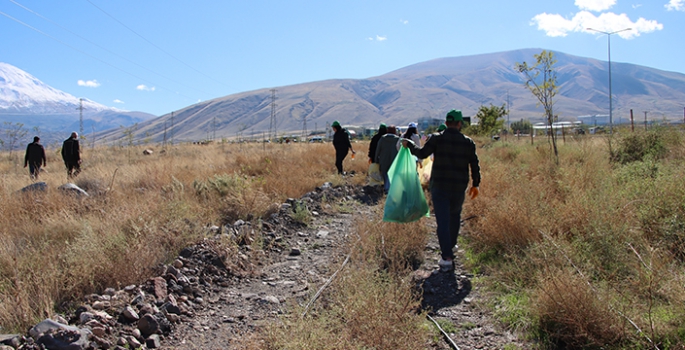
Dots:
pixel 172 128
pixel 508 122
pixel 632 125
pixel 80 123
pixel 272 123
pixel 214 129
pixel 304 128
pixel 164 140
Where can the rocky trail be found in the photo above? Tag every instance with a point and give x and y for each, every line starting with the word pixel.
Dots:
pixel 210 297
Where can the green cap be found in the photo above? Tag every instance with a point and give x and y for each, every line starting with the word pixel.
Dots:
pixel 383 126
pixel 442 127
pixel 454 116
pixel 336 123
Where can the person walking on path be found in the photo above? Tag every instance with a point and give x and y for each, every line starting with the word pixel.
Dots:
pixel 35 157
pixel 71 154
pixel 454 153
pixel 412 133
pixel 341 143
pixel 386 151
pixel 382 130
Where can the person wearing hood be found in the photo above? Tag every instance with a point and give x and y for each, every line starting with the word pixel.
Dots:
pixel 382 130
pixel 386 151
pixel 341 143
pixel 454 154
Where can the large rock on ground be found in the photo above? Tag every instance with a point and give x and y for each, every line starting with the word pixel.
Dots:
pixel 57 336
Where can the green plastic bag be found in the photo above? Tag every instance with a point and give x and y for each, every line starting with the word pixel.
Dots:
pixel 405 201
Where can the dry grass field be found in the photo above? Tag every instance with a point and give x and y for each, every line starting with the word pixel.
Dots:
pixel 588 253
pixel 142 210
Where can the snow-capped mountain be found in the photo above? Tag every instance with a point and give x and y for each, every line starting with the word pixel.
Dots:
pixel 37 106
pixel 21 92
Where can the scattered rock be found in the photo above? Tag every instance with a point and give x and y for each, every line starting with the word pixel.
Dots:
pixel 35 187
pixel 72 189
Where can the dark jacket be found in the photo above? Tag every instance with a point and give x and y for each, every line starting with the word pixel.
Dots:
pixel 35 153
pixel 71 152
pixel 454 154
pixel 374 144
pixel 386 151
pixel 341 141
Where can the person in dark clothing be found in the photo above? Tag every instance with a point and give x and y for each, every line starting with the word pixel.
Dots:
pixel 71 154
pixel 341 143
pixel 454 154
pixel 382 130
pixel 35 157
pixel 386 151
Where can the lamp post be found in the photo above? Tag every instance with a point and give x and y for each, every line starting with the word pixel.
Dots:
pixel 611 109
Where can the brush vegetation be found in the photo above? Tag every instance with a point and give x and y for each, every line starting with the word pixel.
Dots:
pixel 589 253
pixel 585 253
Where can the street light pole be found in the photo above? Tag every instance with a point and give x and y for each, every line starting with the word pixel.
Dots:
pixel 611 107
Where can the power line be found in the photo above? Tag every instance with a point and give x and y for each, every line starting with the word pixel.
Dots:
pixel 104 48
pixel 157 47
pixel 91 56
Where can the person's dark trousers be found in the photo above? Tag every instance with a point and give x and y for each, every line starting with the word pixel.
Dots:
pixel 339 157
pixel 447 206
pixel 34 169
pixel 73 169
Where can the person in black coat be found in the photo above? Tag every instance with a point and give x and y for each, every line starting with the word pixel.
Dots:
pixel 341 143
pixel 382 130
pixel 71 154
pixel 35 157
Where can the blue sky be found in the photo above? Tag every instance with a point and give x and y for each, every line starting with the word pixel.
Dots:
pixel 158 56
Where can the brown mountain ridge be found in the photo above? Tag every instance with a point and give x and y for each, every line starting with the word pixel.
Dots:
pixel 426 89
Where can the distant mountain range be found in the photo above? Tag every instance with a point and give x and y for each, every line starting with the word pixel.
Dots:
pixel 27 100
pixel 428 89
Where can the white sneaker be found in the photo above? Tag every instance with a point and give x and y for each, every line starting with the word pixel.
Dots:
pixel 446 264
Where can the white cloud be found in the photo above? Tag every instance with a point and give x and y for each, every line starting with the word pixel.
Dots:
pixel 381 38
pixel 404 21
pixel 595 5
pixel 88 83
pixel 675 5
pixel 143 87
pixel 118 101
pixel 636 6
pixel 556 25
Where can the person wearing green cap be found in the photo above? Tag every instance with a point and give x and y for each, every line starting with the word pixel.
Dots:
pixel 454 153
pixel 382 130
pixel 341 143
pixel 442 127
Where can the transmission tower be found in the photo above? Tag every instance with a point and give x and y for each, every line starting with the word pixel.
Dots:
pixel 304 128
pixel 80 120
pixel 272 124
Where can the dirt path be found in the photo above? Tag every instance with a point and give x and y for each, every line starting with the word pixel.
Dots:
pixel 305 258
pixel 246 275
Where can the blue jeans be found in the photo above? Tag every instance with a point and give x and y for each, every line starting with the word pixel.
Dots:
pixel 447 206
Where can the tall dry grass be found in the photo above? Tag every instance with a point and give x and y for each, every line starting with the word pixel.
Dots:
pixel 142 210
pixel 371 304
pixel 591 248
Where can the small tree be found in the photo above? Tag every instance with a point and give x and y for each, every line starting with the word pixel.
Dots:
pixel 14 132
pixel 490 120
pixel 541 80
pixel 522 126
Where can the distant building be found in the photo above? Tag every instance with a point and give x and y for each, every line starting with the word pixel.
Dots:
pixel 594 120
pixel 425 122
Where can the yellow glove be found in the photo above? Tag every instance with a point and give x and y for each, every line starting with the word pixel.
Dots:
pixel 473 192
